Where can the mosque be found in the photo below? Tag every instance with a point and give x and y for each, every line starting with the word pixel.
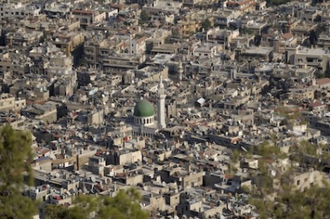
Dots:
pixel 145 123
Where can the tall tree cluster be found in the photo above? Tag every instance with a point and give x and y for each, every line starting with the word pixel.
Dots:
pixel 122 206
pixel 278 197
pixel 15 173
pixel 15 154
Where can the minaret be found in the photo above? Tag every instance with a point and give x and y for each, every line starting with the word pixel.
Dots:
pixel 161 104
pixel 180 70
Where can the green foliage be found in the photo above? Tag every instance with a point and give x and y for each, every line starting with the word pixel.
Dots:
pixel 15 151
pixel 232 169
pixel 206 24
pixel 291 116
pixel 290 202
pixel 276 2
pixel 327 70
pixel 124 205
pixel 245 30
pixel 235 156
pixel 306 148
pixel 267 151
pixel 263 207
pixel 143 17
pixel 245 189
pixel 54 211
pixel 270 151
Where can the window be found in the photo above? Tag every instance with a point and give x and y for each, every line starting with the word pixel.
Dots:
pixel 309 59
pixel 298 182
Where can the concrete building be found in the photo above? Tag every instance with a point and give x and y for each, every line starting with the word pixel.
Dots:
pixel 18 10
pixel 314 57
pixel 10 103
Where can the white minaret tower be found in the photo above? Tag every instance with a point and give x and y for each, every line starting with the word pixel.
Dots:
pixel 161 104
pixel 180 70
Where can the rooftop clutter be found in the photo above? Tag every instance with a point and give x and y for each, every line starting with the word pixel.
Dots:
pixel 161 96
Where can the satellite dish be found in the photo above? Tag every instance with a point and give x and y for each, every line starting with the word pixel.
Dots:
pixel 93 179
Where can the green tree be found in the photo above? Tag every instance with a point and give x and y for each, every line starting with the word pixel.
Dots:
pixel 15 154
pixel 327 70
pixel 143 17
pixel 124 205
pixel 276 2
pixel 245 30
pixel 290 202
pixel 206 24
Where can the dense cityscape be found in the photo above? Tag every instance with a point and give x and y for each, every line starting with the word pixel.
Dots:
pixel 190 108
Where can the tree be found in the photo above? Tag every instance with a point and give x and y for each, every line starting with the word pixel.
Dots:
pixel 313 38
pixel 246 30
pixel 15 154
pixel 124 205
pixel 143 17
pixel 257 40
pixel 276 2
pixel 290 202
pixel 327 70
pixel 206 24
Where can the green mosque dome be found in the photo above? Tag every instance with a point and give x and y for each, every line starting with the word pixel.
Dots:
pixel 144 109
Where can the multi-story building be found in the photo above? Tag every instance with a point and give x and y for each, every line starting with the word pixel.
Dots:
pixel 221 36
pixel 56 9
pixel 241 5
pixel 18 10
pixel 314 57
pixel 68 42
pixel 223 17
pixel 87 17
pixel 10 103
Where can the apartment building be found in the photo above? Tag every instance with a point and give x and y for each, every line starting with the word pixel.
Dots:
pixel 159 6
pixel 56 9
pixel 241 5
pixel 70 41
pixel 16 63
pixel 87 17
pixel 9 103
pixel 18 10
pixel 119 64
pixel 314 57
pixel 124 156
pixel 223 17
pixel 221 36
pixel 46 113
